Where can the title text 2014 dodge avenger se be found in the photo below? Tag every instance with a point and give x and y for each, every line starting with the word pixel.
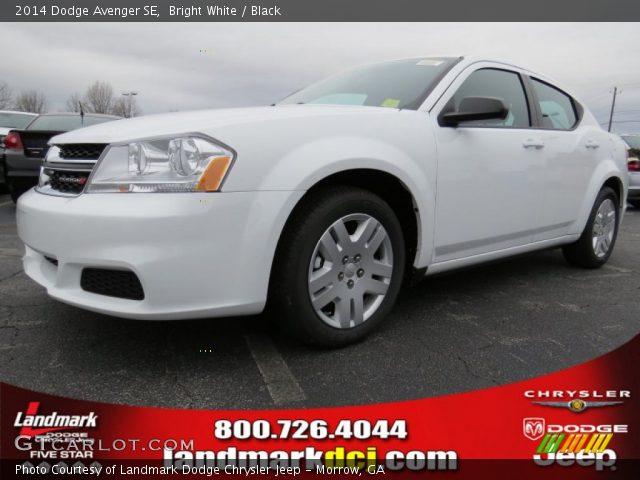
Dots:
pixel 325 202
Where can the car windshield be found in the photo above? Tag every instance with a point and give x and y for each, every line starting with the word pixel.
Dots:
pixel 633 141
pixel 14 120
pixel 64 123
pixel 397 84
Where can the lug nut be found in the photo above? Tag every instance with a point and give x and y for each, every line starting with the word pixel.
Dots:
pixel 360 272
pixel 341 276
pixel 357 258
pixel 345 260
pixel 350 284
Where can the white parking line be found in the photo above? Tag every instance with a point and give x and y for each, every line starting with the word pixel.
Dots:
pixel 282 385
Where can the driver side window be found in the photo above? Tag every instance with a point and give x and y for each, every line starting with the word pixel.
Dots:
pixel 502 84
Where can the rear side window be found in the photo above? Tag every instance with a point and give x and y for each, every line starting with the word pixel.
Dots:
pixel 64 123
pixel 502 84
pixel 557 108
pixel 15 120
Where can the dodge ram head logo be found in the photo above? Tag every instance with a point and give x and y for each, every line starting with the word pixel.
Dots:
pixel 533 428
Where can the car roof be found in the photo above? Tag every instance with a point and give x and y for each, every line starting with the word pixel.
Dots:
pixel 469 59
pixel 20 113
pixel 465 60
pixel 74 114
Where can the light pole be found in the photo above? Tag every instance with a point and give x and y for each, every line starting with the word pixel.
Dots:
pixel 130 102
pixel 616 92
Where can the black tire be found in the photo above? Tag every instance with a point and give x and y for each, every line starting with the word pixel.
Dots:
pixel 581 253
pixel 290 302
pixel 16 188
pixel 634 203
pixel 16 192
pixel 15 195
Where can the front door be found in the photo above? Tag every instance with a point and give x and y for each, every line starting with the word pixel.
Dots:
pixel 490 181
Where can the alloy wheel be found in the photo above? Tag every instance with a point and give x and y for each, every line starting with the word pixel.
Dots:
pixel 604 226
pixel 350 270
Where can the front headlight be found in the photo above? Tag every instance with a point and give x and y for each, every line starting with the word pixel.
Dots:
pixel 189 163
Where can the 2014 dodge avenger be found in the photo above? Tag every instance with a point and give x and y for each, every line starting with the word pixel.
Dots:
pixel 325 203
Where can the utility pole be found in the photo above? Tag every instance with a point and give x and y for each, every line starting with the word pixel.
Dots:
pixel 613 106
pixel 129 102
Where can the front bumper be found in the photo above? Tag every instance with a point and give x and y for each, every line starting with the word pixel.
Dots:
pixel 196 254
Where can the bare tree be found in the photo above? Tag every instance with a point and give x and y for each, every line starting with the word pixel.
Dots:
pixel 31 101
pixel 126 107
pixel 6 96
pixel 99 97
pixel 73 103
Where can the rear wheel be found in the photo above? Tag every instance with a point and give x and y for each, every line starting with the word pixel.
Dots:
pixel 594 247
pixel 339 267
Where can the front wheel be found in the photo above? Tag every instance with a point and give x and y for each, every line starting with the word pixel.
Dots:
pixel 594 247
pixel 339 267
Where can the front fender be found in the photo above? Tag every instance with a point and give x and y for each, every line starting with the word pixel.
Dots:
pixel 311 162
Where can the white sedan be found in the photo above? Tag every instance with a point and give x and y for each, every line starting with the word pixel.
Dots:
pixel 327 202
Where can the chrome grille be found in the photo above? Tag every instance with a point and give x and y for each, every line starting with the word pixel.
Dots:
pixel 67 181
pixel 66 171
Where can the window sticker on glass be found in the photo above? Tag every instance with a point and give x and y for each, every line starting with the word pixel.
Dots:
pixel 390 103
pixel 430 62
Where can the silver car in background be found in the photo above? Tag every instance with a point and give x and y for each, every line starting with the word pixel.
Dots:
pixel 633 141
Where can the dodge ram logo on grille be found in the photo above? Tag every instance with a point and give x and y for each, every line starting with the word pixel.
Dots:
pixel 76 180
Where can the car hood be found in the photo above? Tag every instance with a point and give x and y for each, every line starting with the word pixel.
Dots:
pixel 205 121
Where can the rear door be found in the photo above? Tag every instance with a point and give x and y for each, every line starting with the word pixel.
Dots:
pixel 490 181
pixel 572 153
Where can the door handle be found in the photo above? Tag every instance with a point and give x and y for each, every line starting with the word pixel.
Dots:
pixel 592 144
pixel 533 143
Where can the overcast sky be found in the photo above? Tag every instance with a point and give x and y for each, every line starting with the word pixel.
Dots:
pixel 181 66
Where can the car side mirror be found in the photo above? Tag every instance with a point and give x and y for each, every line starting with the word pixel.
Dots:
pixel 475 108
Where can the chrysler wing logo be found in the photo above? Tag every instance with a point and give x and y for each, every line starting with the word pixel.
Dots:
pixel 577 405
pixel 533 428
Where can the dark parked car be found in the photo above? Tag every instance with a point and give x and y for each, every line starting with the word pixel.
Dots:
pixel 25 149
pixel 8 121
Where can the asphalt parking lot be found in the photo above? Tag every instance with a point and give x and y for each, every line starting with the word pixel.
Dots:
pixel 487 326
